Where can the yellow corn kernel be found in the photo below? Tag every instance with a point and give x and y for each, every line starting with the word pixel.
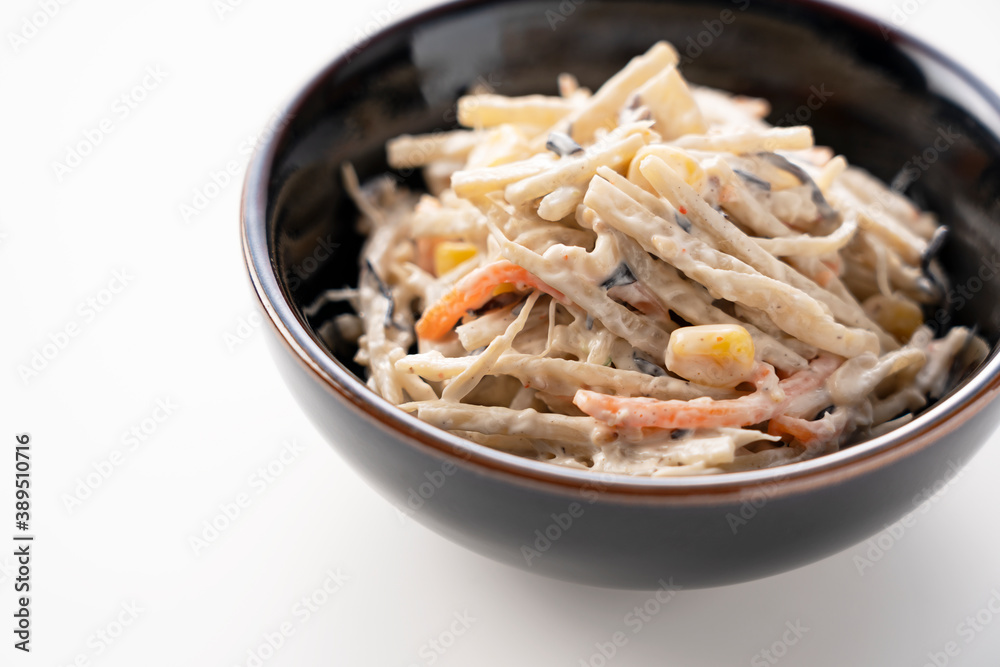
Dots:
pixel 449 254
pixel 685 166
pixel 717 355
pixel 898 316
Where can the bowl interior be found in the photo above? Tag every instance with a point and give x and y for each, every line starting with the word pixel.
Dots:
pixel 886 102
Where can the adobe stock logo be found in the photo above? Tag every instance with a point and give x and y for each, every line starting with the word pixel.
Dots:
pixel 900 15
pixel 33 23
pixel 41 357
pixel 699 42
pixel 380 18
pixel 122 107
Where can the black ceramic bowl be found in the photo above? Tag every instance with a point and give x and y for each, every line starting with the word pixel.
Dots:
pixel 890 103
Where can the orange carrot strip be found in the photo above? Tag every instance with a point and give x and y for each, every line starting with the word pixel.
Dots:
pixel 640 412
pixel 474 290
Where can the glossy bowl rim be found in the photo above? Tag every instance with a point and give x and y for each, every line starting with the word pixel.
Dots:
pixel 933 425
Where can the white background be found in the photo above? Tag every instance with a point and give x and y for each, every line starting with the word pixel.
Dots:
pixel 163 337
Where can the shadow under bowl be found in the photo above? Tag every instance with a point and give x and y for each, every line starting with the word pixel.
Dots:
pixel 883 99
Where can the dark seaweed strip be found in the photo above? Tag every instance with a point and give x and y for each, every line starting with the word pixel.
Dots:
pixel 753 180
pixel 933 247
pixel 682 221
pixel 648 367
pixel 385 292
pixel 622 275
pixel 798 172
pixel 562 144
pixel 931 282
